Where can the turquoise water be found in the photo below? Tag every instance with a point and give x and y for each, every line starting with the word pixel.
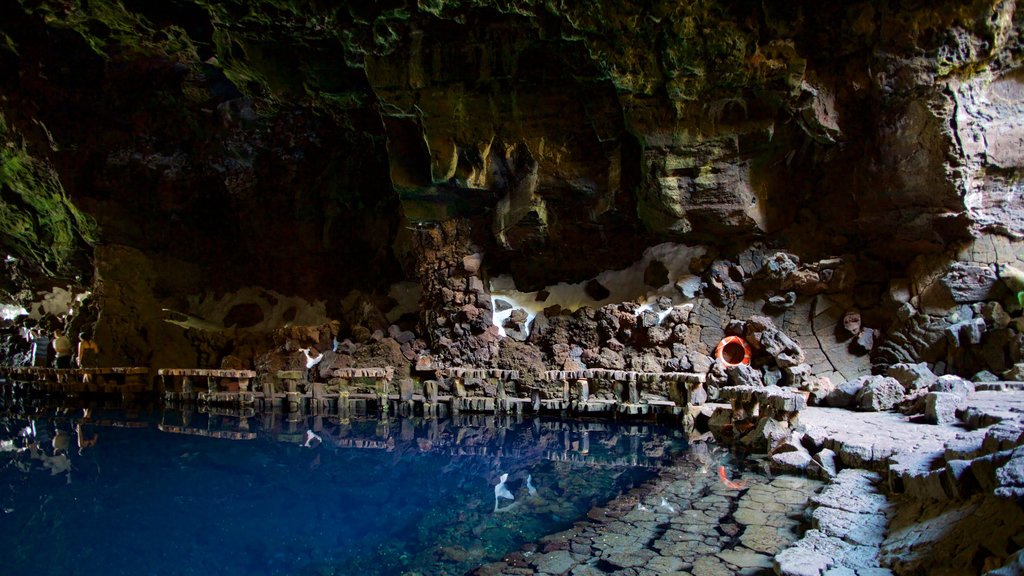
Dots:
pixel 157 493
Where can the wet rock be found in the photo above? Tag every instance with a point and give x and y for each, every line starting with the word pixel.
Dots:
pixel 940 407
pixel 912 376
pixel 720 423
pixel 501 305
pixel 558 562
pixel 630 559
pixel 765 435
pixel 879 393
pixel 745 559
pixel 791 462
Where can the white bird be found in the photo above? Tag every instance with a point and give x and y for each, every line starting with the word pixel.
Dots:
pixel 502 491
pixel 664 504
pixel 530 486
pixel 640 506
pixel 310 437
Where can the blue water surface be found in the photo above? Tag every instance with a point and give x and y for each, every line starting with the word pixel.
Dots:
pixel 157 494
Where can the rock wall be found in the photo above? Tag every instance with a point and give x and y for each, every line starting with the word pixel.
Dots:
pixel 311 151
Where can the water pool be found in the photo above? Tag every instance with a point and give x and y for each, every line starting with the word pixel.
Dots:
pixel 170 493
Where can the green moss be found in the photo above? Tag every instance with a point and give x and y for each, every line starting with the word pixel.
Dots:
pixel 107 26
pixel 8 44
pixel 40 224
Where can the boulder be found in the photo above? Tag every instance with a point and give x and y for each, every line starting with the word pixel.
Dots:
pixel 985 376
pixel 912 376
pixel 778 267
pixel 471 263
pixel 1015 373
pixel 994 315
pixel 953 385
pixel 792 462
pixel 797 375
pixel 879 393
pixel 701 363
pixel 689 286
pixel 768 433
pixel 720 423
pixel 819 389
pixel 814 438
pixel 824 465
pixel 965 333
pixel 762 335
pixel 940 407
pixel 844 395
pixel 963 283
pixel 744 375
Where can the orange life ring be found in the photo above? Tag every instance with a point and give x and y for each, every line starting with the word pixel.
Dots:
pixel 733 351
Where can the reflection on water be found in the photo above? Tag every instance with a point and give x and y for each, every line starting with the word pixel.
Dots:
pixel 104 491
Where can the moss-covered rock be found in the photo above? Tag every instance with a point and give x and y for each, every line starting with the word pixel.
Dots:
pixel 38 223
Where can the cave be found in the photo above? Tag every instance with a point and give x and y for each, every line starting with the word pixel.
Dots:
pixel 711 287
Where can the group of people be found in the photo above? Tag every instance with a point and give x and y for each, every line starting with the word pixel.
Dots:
pixel 64 351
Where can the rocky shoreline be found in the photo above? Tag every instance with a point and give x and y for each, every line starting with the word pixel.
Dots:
pixel 908 498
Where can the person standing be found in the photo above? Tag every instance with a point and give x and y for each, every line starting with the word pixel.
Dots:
pixel 62 349
pixel 40 349
pixel 87 351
